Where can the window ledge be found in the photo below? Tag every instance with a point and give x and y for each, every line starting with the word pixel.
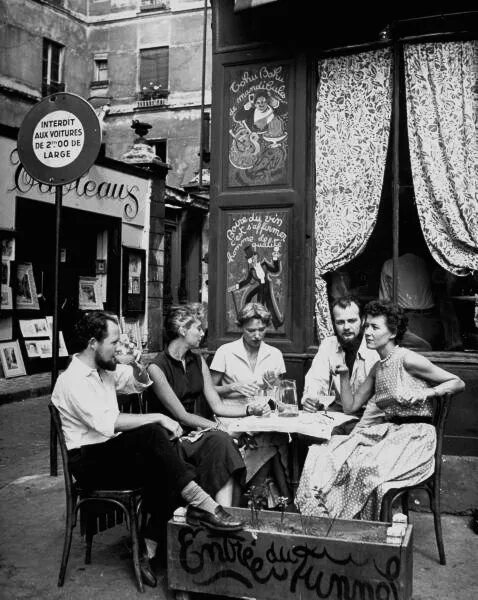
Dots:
pixel 100 84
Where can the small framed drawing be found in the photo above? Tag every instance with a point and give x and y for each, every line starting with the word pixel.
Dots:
pixel 5 280
pixel 89 295
pixel 43 348
pixel 11 359
pixel 8 248
pixel 33 348
pixel 100 266
pixel 34 328
pixel 6 302
pixel 26 292
pixel 134 280
pixel 132 330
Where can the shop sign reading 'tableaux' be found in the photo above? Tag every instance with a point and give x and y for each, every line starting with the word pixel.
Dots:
pixel 101 189
pixel 59 139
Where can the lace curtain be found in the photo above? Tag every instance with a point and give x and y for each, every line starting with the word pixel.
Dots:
pixel 352 130
pixel 442 98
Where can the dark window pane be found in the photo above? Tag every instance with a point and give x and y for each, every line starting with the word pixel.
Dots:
pixel 154 68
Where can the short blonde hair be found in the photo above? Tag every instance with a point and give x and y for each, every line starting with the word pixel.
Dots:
pixel 182 315
pixel 253 310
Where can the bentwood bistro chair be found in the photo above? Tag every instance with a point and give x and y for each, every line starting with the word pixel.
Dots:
pixel 430 485
pixel 95 505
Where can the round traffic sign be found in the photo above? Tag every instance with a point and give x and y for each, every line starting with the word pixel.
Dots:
pixel 59 139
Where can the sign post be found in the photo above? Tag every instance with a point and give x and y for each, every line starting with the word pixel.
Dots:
pixel 58 141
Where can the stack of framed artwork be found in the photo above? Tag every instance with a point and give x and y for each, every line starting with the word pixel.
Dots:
pixel 37 334
pixel 22 338
pixel 11 359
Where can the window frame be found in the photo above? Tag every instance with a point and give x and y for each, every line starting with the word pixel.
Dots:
pixel 98 61
pixel 145 90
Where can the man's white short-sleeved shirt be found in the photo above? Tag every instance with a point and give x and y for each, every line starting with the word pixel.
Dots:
pixel 86 400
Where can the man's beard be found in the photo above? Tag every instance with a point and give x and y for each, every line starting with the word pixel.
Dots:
pixel 107 365
pixel 352 343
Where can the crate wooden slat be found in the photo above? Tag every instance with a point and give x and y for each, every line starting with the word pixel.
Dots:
pixel 278 561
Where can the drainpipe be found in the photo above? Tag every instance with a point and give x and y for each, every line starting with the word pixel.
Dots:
pixel 203 89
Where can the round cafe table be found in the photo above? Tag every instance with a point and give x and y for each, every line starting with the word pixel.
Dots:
pixel 317 425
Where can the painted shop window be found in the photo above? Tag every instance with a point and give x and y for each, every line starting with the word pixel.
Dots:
pixel 52 68
pixel 154 73
pixel 258 125
pixel 257 263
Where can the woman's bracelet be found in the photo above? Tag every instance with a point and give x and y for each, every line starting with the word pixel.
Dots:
pixel 248 411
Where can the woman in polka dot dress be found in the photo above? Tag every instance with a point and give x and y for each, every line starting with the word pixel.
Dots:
pixel 347 476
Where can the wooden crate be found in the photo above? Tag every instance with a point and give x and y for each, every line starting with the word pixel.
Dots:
pixel 346 559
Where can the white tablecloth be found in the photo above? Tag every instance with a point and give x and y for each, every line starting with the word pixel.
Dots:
pixel 316 425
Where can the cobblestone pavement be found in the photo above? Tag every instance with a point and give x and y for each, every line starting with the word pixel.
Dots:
pixel 32 525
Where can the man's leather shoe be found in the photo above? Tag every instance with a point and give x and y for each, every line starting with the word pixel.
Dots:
pixel 219 521
pixel 147 575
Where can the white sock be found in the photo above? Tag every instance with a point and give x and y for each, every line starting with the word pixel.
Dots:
pixel 197 497
pixel 151 547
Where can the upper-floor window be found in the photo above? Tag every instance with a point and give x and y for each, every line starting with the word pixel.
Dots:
pixel 52 68
pixel 154 73
pixel 100 75
pixel 101 69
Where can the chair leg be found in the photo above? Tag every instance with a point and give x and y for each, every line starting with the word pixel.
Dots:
pixel 66 547
pixel 133 517
pixel 89 543
pixel 436 508
pixel 386 508
pixel 405 498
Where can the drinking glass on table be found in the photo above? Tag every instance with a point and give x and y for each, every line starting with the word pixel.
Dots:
pixel 314 401
pixel 287 405
pixel 324 401
pixel 260 403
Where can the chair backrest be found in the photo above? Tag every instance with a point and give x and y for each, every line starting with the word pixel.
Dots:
pixel 440 414
pixel 56 420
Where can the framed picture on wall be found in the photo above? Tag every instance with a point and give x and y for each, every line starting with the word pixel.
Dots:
pixel 5 280
pixel 34 328
pixel 8 248
pixel 11 359
pixel 89 294
pixel 26 292
pixel 100 266
pixel 131 328
pixel 134 280
pixel 6 302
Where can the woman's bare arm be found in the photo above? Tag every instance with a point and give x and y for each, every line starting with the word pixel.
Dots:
pixel 171 402
pixel 218 406
pixel 445 382
pixel 352 403
pixel 236 389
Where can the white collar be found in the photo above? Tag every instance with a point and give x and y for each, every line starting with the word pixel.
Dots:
pixel 239 350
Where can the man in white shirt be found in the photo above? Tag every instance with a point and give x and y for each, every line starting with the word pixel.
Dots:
pixel 347 347
pixel 109 449
pixel 415 296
